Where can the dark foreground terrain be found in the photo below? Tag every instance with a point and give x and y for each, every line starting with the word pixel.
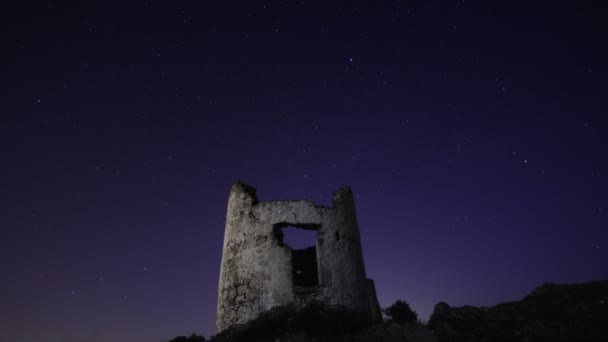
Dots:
pixel 550 313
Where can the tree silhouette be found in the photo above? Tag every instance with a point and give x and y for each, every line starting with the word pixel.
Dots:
pixel 400 312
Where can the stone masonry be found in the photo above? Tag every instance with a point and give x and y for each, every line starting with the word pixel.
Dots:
pixel 259 271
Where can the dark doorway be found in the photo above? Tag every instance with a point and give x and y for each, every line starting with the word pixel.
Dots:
pixel 304 267
pixel 302 241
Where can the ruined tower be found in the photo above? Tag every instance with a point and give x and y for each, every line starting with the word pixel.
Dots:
pixel 259 271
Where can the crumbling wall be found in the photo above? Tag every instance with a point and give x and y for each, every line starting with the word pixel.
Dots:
pixel 256 271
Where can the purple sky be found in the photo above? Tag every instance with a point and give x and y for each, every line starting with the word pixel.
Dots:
pixel 472 134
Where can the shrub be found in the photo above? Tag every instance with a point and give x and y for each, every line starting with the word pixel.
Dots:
pixel 191 338
pixel 400 312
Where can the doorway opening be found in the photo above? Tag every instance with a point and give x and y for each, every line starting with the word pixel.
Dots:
pixel 302 241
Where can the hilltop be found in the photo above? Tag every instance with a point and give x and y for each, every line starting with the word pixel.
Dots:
pixel 549 313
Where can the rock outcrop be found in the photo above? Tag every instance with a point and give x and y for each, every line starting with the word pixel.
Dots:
pixel 550 313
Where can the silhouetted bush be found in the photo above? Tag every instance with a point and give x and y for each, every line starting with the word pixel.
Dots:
pixel 400 312
pixel 191 338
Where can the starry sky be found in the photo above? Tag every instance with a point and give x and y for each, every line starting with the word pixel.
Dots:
pixel 473 135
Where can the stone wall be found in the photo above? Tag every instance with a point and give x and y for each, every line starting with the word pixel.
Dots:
pixel 256 271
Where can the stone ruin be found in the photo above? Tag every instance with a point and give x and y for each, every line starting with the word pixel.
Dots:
pixel 259 271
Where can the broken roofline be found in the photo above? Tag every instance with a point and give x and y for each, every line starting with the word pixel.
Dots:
pixel 252 192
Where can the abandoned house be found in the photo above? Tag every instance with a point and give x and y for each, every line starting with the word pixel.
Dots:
pixel 259 270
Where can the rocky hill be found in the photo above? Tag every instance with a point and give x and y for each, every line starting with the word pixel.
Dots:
pixel 556 313
pixel 550 313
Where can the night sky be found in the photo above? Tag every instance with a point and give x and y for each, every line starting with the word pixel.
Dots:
pixel 473 135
